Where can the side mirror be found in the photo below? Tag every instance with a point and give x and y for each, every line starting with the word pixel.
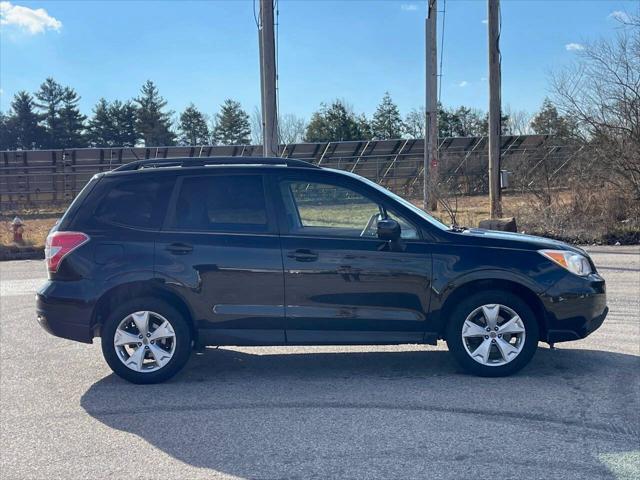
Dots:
pixel 389 230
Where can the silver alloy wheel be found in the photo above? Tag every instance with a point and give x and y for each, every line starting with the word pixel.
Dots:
pixel 493 335
pixel 145 341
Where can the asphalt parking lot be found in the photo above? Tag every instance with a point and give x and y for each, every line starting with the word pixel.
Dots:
pixel 322 412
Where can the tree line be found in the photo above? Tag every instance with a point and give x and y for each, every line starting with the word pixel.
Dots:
pixel 51 118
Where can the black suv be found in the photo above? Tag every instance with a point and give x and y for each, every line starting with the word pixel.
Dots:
pixel 159 256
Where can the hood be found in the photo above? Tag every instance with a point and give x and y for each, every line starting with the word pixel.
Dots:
pixel 519 240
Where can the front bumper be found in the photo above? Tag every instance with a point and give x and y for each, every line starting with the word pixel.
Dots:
pixel 575 307
pixel 62 314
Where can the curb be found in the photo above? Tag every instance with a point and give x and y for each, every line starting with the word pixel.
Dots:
pixel 21 253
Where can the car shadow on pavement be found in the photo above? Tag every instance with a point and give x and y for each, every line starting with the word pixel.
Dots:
pixel 381 414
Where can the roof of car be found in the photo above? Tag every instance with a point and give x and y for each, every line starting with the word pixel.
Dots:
pixel 198 162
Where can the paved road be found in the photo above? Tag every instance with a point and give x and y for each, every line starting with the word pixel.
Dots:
pixel 357 412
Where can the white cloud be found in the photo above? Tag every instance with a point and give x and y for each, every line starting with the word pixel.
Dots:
pixel 620 16
pixel 31 20
pixel 483 79
pixel 463 83
pixel 409 7
pixel 485 21
pixel 572 47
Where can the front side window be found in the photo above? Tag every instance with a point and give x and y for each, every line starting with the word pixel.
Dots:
pixel 221 204
pixel 325 209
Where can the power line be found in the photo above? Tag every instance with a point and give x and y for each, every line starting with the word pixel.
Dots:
pixel 444 13
pixel 277 28
pixel 255 15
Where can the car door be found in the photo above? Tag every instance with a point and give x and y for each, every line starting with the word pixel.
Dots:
pixel 342 283
pixel 219 247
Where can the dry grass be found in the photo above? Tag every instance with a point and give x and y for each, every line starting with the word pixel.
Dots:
pixel 35 230
pixel 471 210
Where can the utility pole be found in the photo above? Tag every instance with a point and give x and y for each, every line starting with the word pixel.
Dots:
pixel 431 108
pixel 495 128
pixel 268 79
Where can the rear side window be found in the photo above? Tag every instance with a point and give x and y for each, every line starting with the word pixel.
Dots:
pixel 221 204
pixel 133 202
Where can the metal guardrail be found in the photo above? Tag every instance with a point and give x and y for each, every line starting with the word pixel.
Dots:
pixel 43 178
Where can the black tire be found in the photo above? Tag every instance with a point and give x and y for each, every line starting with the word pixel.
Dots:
pixel 182 340
pixel 466 307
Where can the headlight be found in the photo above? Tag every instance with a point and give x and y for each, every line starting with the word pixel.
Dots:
pixel 574 262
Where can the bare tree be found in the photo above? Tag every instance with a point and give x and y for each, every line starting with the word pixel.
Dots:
pixel 601 93
pixel 292 128
pixel 518 121
pixel 414 123
pixel 256 126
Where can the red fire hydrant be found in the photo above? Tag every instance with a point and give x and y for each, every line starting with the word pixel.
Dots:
pixel 17 226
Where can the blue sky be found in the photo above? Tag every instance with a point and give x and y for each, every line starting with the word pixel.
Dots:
pixel 206 51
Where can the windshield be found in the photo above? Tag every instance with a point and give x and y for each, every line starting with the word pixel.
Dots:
pixel 418 211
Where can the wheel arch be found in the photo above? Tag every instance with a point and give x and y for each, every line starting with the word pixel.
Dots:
pixel 457 294
pixel 132 290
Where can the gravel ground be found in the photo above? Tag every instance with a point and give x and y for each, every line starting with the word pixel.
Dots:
pixel 322 412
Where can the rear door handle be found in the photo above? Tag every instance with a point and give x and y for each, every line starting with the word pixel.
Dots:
pixel 303 255
pixel 179 248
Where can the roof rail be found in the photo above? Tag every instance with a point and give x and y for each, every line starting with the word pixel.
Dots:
pixel 204 161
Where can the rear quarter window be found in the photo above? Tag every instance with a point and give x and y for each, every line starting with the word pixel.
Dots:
pixel 139 201
pixel 221 203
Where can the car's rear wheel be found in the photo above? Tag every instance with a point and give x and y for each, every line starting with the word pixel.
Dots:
pixel 493 333
pixel 146 341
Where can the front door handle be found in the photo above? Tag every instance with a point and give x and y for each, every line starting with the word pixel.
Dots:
pixel 303 255
pixel 179 248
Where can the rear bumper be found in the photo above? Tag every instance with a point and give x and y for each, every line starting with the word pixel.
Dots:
pixel 576 307
pixel 64 316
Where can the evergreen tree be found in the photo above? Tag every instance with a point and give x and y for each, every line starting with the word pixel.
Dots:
pixel 364 127
pixel 447 123
pixel 154 124
pixel 232 125
pixel 387 122
pixel 22 128
pixel 193 127
pixel 50 100
pixel 125 123
pixel 549 122
pixel 483 129
pixel 101 125
pixel 71 121
pixel 468 122
pixel 113 124
pixel 333 123
pixel 6 136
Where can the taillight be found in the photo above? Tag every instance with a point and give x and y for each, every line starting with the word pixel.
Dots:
pixel 61 244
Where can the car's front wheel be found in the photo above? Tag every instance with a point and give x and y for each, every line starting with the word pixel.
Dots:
pixel 146 341
pixel 493 333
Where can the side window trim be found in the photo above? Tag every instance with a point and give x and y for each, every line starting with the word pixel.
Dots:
pixel 170 217
pixel 171 207
pixel 290 201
